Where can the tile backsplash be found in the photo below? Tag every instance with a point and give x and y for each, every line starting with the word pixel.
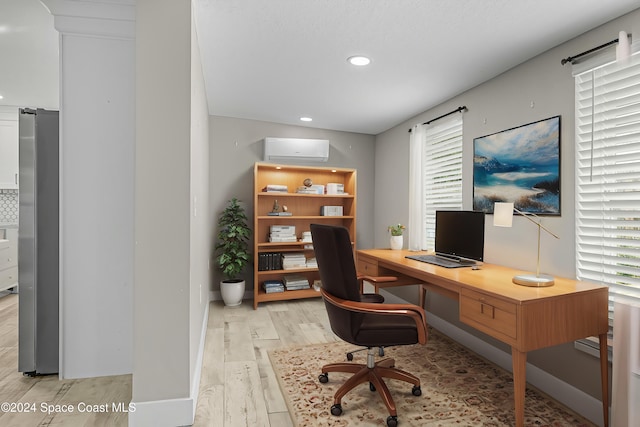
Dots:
pixel 9 206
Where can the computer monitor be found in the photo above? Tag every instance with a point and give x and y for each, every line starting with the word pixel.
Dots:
pixel 460 234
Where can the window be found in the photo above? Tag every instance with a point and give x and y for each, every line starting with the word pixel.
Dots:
pixel 608 178
pixel 441 171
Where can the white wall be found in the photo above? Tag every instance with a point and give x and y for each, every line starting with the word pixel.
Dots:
pixel 97 136
pixel 172 239
pixel 537 89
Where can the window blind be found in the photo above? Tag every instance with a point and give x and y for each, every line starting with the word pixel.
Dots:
pixel 442 171
pixel 608 178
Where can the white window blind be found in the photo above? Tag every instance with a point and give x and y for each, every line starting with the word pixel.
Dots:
pixel 442 171
pixel 608 178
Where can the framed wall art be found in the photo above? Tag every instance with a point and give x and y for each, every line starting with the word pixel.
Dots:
pixel 519 165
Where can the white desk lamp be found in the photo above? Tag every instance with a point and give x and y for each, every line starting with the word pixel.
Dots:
pixel 503 217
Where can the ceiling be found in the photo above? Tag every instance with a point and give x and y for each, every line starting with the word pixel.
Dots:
pixel 278 60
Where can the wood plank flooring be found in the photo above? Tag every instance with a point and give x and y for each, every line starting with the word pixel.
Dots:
pixel 237 385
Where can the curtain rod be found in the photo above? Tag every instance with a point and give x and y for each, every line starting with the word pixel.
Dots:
pixel 457 110
pixel 587 52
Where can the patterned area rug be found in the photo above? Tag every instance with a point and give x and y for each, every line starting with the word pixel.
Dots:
pixel 458 388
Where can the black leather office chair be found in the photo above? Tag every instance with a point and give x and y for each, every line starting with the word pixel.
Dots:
pixel 371 325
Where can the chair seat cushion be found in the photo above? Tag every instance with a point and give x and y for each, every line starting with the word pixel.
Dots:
pixel 376 330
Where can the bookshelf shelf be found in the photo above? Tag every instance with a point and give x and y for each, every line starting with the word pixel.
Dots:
pixel 305 210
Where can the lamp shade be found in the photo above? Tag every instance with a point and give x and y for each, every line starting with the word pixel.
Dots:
pixel 503 214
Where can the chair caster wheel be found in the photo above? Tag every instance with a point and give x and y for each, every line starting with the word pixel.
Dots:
pixel 349 357
pixel 372 387
pixel 392 421
pixel 416 390
pixel 336 409
pixel 323 378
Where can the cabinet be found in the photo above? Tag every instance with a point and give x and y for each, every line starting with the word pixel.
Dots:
pixel 8 258
pixel 305 209
pixel 8 148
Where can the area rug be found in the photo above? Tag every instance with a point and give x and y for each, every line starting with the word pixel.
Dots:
pixel 458 388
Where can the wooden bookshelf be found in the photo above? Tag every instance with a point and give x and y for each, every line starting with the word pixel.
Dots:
pixel 305 210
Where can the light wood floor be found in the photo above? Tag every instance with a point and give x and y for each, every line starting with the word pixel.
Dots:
pixel 237 385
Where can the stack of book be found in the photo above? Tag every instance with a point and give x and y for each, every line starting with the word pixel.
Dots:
pixel 282 233
pixel 276 188
pixel 306 190
pixel 293 260
pixel 312 263
pixel 271 286
pixel 294 282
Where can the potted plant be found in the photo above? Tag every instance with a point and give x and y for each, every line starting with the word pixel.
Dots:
pixel 396 240
pixel 233 251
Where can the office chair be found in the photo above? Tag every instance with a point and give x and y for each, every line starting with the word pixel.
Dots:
pixel 372 325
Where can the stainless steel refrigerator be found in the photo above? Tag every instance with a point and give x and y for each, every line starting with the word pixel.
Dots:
pixel 38 242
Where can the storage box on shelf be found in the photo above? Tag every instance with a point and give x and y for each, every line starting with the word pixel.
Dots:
pixel 297 210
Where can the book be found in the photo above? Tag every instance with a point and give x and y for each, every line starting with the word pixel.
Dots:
pixel 293 260
pixel 283 229
pixel 275 188
pixel 282 239
pixel 279 213
pixel 295 280
pixel 272 283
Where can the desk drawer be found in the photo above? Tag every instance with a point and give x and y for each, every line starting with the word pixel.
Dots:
pixel 368 268
pixel 491 315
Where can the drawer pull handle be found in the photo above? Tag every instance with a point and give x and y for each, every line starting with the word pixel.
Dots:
pixel 487 310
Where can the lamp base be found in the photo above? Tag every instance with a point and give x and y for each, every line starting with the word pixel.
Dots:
pixel 536 281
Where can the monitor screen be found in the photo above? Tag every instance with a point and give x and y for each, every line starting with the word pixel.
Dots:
pixel 460 234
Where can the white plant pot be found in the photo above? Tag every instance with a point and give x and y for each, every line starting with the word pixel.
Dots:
pixel 396 242
pixel 232 291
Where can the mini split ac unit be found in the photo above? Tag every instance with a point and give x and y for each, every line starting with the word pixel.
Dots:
pixel 292 149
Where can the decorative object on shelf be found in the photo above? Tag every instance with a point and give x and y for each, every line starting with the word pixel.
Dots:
pixel 307 182
pixel 503 217
pixel 396 240
pixel 276 207
pixel 233 251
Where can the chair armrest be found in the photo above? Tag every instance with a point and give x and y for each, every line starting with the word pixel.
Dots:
pixel 377 279
pixel 416 313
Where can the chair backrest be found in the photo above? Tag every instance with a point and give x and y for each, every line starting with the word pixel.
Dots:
pixel 334 253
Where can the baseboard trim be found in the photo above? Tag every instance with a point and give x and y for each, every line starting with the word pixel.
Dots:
pixel 195 389
pixel 217 296
pixel 579 401
pixel 173 412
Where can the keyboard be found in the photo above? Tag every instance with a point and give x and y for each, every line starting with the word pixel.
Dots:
pixel 441 261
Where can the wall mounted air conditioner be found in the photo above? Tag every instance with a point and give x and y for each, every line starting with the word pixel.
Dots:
pixel 292 149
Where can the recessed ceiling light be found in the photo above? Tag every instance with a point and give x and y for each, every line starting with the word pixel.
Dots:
pixel 1 96
pixel 359 60
pixel 306 119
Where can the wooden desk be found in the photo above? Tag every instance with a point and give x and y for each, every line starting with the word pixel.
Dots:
pixel 523 317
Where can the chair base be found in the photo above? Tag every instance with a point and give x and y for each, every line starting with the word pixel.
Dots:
pixel 374 375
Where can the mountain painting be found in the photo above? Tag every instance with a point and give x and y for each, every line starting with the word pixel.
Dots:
pixel 519 165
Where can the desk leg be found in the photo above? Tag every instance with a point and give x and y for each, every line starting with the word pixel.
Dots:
pixel 519 360
pixel 604 377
